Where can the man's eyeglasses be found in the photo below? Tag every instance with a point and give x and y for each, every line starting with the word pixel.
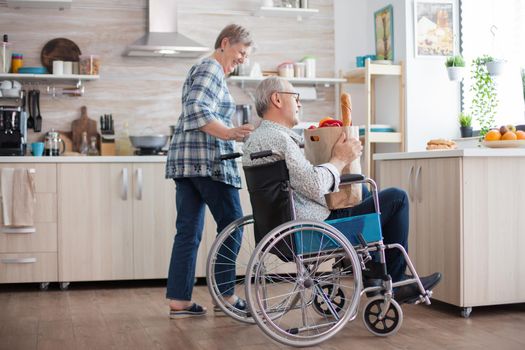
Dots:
pixel 296 95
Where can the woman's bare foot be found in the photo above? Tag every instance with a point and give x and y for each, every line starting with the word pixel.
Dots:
pixel 179 304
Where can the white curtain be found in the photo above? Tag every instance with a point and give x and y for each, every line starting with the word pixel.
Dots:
pixel 496 28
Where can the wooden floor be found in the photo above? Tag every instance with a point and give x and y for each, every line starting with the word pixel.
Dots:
pixel 135 316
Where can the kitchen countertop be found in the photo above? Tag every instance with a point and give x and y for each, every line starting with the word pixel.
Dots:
pixel 468 152
pixel 85 159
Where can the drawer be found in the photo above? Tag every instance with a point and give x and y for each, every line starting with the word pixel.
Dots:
pixel 45 175
pixel 41 238
pixel 28 267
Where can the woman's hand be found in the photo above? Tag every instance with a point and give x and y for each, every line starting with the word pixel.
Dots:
pixel 241 132
pixel 221 131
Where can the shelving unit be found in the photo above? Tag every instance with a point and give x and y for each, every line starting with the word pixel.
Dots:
pixel 300 13
pixel 367 76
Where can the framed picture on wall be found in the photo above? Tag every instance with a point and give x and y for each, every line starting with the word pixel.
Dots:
pixel 434 30
pixel 384 33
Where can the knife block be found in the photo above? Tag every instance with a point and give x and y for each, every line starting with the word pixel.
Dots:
pixel 107 146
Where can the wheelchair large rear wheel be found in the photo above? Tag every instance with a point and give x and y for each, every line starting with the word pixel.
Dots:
pixel 238 236
pixel 286 284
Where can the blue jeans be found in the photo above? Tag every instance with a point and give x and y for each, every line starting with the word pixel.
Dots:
pixel 393 203
pixel 192 194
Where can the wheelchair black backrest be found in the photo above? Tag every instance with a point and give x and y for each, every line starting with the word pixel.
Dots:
pixel 270 196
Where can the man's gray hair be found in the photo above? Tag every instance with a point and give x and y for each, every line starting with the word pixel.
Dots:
pixel 235 34
pixel 264 92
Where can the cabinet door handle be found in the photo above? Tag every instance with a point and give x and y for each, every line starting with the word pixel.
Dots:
pixel 15 230
pixel 18 261
pixel 124 191
pixel 410 186
pixel 419 195
pixel 139 184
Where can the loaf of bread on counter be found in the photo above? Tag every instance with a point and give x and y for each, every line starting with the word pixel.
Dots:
pixel 436 144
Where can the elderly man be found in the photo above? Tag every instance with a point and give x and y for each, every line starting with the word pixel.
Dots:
pixel 278 105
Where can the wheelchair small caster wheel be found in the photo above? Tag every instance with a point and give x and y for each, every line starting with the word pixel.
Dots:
pixel 465 312
pixel 386 326
pixel 337 298
pixel 44 285
pixel 64 285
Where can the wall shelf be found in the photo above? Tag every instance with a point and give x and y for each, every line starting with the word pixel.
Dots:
pixel 49 77
pixel 285 12
pixel 297 81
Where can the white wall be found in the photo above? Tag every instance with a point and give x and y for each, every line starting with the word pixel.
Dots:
pixel 432 102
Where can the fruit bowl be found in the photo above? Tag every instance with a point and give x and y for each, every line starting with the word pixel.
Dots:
pixel 504 144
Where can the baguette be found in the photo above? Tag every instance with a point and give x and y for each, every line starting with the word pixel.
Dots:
pixel 346 109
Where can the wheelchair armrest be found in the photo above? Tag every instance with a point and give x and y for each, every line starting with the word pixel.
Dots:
pixel 349 178
pixel 230 156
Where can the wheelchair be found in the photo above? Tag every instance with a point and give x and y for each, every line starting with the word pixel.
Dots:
pixel 303 279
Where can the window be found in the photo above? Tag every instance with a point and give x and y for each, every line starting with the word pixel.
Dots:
pixel 496 28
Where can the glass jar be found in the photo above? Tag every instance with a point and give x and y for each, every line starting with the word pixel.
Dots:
pixel 93 151
pixel 17 62
pixel 84 146
pixel 89 65
pixel 286 70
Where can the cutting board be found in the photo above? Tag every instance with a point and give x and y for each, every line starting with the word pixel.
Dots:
pixel 84 123
pixel 60 49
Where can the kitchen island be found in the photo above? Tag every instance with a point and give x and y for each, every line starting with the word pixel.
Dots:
pixel 97 218
pixel 466 220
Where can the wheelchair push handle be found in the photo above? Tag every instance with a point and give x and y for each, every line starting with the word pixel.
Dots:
pixel 261 154
pixel 346 178
pixel 228 156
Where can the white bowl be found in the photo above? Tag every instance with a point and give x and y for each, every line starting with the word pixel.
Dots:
pixel 6 84
pixel 11 92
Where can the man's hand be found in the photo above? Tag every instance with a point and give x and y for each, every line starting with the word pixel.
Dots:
pixel 345 151
pixel 240 133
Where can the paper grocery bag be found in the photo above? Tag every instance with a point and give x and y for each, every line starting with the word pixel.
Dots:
pixel 318 144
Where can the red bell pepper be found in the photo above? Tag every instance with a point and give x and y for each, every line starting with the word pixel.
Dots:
pixel 330 123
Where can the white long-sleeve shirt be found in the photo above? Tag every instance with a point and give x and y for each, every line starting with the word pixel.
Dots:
pixel 310 183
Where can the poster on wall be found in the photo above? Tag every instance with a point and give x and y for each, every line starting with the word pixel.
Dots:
pixel 434 30
pixel 384 33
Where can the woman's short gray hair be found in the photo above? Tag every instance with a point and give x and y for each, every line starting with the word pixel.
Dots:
pixel 235 34
pixel 264 92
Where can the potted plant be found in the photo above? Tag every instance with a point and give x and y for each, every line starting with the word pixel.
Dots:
pixel 485 99
pixel 495 67
pixel 465 125
pixel 455 66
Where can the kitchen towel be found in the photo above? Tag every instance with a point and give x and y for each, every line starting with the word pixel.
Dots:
pixel 17 191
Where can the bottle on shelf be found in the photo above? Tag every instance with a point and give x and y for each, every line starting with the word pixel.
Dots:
pixel 93 151
pixel 5 55
pixel 84 146
pixel 123 143
pixel 17 62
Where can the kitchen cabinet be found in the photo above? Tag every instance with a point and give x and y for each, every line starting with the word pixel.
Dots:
pixel 94 215
pixel 29 254
pixel 125 225
pixel 466 221
pixel 433 188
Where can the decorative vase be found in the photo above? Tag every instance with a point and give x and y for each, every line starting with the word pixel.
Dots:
pixel 466 131
pixel 455 73
pixel 495 67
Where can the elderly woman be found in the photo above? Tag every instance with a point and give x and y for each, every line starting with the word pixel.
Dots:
pixel 203 132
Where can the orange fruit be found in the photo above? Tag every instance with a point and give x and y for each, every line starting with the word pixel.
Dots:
pixel 509 135
pixel 493 135
pixel 520 134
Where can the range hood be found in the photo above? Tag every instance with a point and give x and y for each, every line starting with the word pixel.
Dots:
pixel 163 39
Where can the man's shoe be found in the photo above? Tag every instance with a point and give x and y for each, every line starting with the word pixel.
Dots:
pixel 410 293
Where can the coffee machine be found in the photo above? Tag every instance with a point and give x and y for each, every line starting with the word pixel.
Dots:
pixel 13 125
